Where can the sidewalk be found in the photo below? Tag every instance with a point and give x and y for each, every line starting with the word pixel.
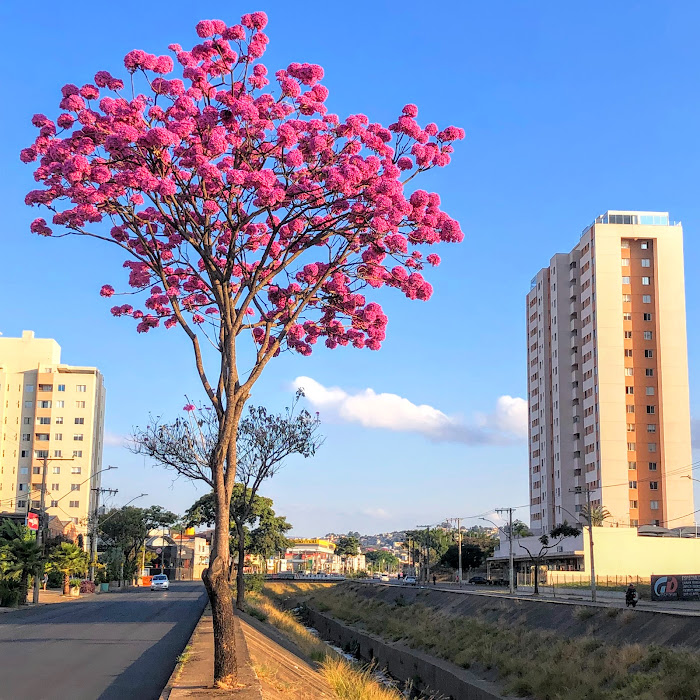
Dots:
pixel 48 597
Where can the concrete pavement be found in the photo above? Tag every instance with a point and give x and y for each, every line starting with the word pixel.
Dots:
pixel 108 646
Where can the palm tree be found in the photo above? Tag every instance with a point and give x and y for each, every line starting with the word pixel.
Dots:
pixel 598 515
pixel 20 555
pixel 69 559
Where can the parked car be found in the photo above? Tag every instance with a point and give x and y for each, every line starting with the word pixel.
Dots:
pixel 384 578
pixel 160 583
pixel 478 580
pixel 499 582
pixel 409 581
pixel 376 575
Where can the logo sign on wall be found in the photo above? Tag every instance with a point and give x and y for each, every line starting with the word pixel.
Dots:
pixel 678 587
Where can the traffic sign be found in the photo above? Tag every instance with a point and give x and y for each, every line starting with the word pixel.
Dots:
pixel 158 550
pixel 33 521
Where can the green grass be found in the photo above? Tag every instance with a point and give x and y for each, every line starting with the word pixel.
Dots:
pixel 535 663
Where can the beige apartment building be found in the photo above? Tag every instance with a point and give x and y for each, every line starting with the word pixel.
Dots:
pixel 53 411
pixel 608 377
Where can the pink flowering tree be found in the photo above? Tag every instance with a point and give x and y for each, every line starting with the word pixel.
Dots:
pixel 249 216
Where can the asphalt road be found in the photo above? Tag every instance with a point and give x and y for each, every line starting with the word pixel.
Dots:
pixel 109 646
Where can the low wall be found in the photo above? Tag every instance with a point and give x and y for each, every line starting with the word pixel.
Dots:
pixel 403 663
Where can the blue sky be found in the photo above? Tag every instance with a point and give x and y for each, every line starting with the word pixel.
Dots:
pixel 569 111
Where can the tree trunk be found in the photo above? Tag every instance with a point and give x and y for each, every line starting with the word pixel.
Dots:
pixel 537 580
pixel 240 578
pixel 216 581
pixel 66 584
pixel 23 588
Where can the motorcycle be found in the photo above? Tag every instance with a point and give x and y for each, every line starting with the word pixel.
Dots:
pixel 631 598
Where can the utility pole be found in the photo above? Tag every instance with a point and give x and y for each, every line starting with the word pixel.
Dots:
pixel 511 578
pixel 459 548
pixel 427 552
pixel 589 517
pixel 590 542
pixel 93 528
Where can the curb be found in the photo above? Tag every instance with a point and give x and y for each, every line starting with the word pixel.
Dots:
pixel 193 677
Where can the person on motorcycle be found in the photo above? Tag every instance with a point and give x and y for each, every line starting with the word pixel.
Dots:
pixel 631 595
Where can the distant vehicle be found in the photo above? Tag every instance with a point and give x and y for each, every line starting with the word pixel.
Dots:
pixel 160 583
pixel 478 580
pixel 409 581
pixel 499 582
pixel 384 578
pixel 376 575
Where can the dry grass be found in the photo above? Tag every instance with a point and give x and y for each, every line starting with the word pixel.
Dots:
pixel 347 681
pixel 534 663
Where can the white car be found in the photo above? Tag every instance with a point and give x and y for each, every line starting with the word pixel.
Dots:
pixel 409 581
pixel 160 583
pixel 384 578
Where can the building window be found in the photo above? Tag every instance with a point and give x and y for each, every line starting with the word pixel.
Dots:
pixel 75 487
pixel 58 436
pixel 44 404
pixel 631 465
pixel 45 387
pixel 80 421
pixel 21 504
pixel 80 404
pixel 649 372
pixel 43 421
pixel 57 453
pixel 55 470
pixel 648 353
pixel 54 504
pixel 55 487
pixel 26 437
pixel 74 504
pixel 633 484
pixel 24 453
pixel 628 334
pixel 647 335
pixel 629 390
pixel 652 466
pixel 24 470
pixel 646 281
pixel 625 244
pixel 651 427
pixel 627 316
pixel 630 427
pixel 629 371
pixel 654 505
pixel 628 352
pixel 651 447
pixel 646 262
pixel 650 391
pixel 630 408
pixel 626 298
pixel 634 504
pixel 60 404
pixel 28 404
pixel 646 298
pixel 42 437
pixel 40 454
pixel 625 262
pixel 644 245
pixel 647 317
pixel 76 470
pixel 78 437
pixel 61 387
pixel 81 388
pixel 654 485
pixel 77 453
pixel 36 470
pixel 59 420
pixel 631 446
pixel 29 388
pixel 625 280
pixel 26 421
pixel 651 409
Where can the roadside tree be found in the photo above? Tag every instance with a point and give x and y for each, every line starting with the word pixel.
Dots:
pixel 126 529
pixel 264 441
pixel 245 215
pixel 70 560
pixel 20 556
pixel 473 556
pixel 547 543
pixel 347 546
pixel 382 560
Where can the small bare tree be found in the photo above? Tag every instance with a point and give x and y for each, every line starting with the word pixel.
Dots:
pixel 263 442
pixel 548 542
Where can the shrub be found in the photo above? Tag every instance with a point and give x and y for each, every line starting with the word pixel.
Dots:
pixel 9 594
pixel 87 587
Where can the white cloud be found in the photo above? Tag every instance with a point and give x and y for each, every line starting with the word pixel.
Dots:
pixel 507 423
pixel 115 440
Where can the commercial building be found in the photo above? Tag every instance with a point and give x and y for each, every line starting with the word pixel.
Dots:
pixel 607 360
pixel 318 556
pixel 50 414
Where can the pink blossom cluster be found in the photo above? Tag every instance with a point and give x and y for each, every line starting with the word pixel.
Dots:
pixel 227 196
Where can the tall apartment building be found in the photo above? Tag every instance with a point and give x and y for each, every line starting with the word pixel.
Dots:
pixel 608 377
pixel 54 411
